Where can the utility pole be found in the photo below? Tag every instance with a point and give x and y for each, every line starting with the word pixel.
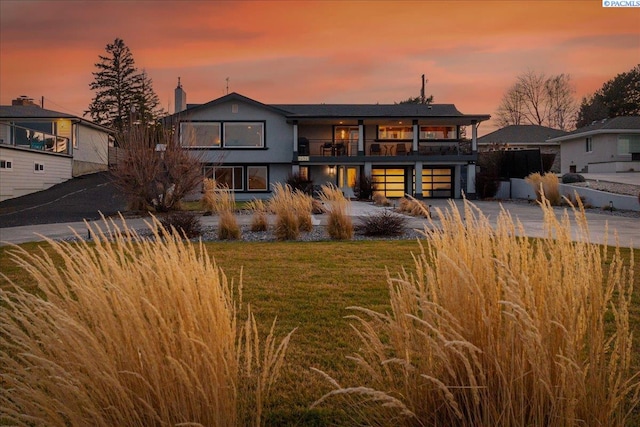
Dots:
pixel 227 79
pixel 422 96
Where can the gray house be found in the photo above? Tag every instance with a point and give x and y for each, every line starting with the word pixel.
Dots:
pixel 604 146
pixel 40 148
pixel 406 148
pixel 523 137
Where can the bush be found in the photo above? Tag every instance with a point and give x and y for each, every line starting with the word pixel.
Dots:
pixel 383 223
pixel 131 331
pixel 545 186
pixel 496 329
pixel 186 224
pixel 259 220
pixel 339 224
pixel 413 207
pixel 379 199
pixel 297 183
pixel 364 188
pixel 228 228
pixel 283 204
pixel 569 178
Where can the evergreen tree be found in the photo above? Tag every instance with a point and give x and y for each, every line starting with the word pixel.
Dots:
pixel 122 95
pixel 619 96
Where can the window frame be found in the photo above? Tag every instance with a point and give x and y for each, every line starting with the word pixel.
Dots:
pixel 407 128
pixel 183 130
pixel 262 124
pixel 248 178
pixel 8 164
pixel 588 144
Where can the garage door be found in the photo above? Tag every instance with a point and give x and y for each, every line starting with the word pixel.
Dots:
pixel 389 181
pixel 437 183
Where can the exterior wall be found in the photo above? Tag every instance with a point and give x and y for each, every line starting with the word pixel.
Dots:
pixel 91 154
pixel 604 150
pixel 22 179
pixel 278 134
pixel 613 167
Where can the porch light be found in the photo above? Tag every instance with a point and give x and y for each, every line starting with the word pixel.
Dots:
pixel 332 170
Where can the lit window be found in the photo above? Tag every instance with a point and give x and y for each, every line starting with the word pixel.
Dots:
pixel 206 134
pixel 395 132
pixel 244 135
pixel 438 132
pixel 257 178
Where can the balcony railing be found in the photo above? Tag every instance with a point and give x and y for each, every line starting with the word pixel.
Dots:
pixel 18 136
pixel 325 148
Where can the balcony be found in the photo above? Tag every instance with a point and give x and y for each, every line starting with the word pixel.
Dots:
pixel 18 136
pixel 319 149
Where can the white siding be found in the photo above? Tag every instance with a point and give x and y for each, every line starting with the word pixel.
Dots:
pixel 23 179
pixel 91 154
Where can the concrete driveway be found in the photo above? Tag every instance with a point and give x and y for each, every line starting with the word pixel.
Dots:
pixel 530 215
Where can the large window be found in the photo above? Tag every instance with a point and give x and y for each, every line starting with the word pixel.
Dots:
pixel 206 134
pixel 628 144
pixel 228 176
pixel 242 135
pixel 438 132
pixel 257 178
pixel 396 132
pixel 239 178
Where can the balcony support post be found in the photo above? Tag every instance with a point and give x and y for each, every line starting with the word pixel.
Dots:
pixel 295 138
pixel 360 138
pixel 418 183
pixel 416 138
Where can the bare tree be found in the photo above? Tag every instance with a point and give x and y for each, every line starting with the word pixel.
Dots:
pixel 155 172
pixel 540 100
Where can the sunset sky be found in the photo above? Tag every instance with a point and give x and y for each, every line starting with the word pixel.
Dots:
pixel 315 52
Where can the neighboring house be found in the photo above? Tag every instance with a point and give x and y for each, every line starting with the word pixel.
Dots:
pixel 406 148
pixel 520 137
pixel 604 146
pixel 40 148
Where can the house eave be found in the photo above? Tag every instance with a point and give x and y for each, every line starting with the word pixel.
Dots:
pixel 592 133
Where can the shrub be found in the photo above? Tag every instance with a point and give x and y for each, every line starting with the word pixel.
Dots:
pixel 259 221
pixel 413 207
pixel 380 199
pixel 339 224
pixel 383 223
pixel 283 204
pixel 364 188
pixel 570 178
pixel 131 331
pixel 546 186
pixel 228 228
pixel 303 205
pixel 297 183
pixel 186 224
pixel 498 329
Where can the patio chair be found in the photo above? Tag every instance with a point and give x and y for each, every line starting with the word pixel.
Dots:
pixel 327 147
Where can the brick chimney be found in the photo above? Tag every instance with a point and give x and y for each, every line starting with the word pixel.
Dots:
pixel 24 100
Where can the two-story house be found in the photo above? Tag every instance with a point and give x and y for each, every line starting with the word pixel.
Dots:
pixel 406 148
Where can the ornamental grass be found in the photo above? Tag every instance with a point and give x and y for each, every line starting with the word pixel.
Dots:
pixel 494 328
pixel 259 220
pixel 339 224
pixel 283 204
pixel 131 331
pixel 546 186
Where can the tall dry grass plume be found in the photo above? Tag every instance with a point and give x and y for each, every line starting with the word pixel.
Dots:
pixel 546 186
pixel 413 207
pixel 259 220
pixel 131 332
pixel 303 207
pixel 218 199
pixel 339 225
pixel 283 204
pixel 495 329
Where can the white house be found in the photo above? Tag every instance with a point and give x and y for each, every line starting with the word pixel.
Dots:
pixel 604 146
pixel 40 148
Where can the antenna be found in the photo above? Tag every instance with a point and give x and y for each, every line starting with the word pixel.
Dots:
pixel 227 79
pixel 422 91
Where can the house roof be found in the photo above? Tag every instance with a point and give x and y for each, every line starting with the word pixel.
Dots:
pixel 521 134
pixel 33 112
pixel 359 111
pixel 624 124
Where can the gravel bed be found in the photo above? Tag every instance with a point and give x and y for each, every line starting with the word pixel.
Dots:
pixel 317 234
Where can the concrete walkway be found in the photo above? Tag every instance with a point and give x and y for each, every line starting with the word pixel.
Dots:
pixel 530 215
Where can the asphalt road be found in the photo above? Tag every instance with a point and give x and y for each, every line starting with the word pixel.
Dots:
pixel 71 201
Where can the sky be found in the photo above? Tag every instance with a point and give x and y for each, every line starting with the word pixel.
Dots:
pixel 315 51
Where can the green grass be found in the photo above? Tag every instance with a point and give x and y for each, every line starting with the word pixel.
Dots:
pixel 309 286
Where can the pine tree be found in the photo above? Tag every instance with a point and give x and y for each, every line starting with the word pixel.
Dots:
pixel 123 96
